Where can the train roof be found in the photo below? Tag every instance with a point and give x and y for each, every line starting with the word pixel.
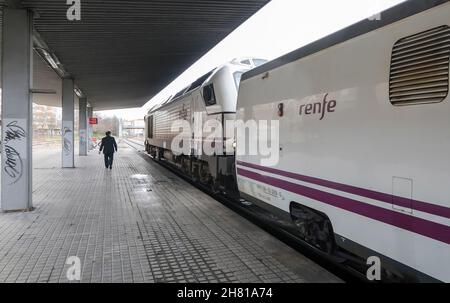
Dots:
pixel 392 15
pixel 185 91
pixel 200 81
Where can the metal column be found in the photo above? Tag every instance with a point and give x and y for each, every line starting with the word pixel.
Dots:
pixel 90 113
pixel 17 64
pixel 83 129
pixel 68 115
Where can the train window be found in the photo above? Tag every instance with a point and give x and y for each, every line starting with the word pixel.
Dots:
pixel 246 62
pixel 180 93
pixel 258 62
pixel 200 81
pixel 237 78
pixel 150 127
pixel 420 68
pixel 208 95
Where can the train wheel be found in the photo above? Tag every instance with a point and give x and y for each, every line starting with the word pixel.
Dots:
pixel 195 172
pixel 215 186
pixel 185 165
pixel 326 236
pixel 159 154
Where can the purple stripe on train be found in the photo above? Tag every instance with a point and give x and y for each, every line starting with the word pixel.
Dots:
pixel 383 197
pixel 419 226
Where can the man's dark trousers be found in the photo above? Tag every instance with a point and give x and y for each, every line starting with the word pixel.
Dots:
pixel 109 157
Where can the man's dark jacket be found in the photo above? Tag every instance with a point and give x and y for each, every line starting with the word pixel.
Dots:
pixel 109 145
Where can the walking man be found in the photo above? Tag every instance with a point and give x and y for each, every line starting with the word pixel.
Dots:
pixel 108 146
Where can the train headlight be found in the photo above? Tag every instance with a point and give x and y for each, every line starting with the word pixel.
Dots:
pixel 234 145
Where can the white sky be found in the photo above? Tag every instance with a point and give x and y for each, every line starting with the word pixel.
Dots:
pixel 278 28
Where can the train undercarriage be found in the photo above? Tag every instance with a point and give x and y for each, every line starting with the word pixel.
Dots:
pixel 217 175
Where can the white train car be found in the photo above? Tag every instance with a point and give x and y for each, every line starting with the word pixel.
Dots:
pixel 211 97
pixel 364 162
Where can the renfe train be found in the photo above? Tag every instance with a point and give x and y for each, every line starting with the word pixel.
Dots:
pixel 364 137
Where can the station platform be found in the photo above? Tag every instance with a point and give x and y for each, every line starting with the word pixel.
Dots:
pixel 137 223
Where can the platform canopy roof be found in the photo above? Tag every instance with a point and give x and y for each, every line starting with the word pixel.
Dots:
pixel 123 52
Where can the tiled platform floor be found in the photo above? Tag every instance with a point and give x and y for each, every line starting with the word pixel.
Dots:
pixel 137 223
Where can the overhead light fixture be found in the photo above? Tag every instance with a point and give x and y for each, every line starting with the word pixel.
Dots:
pixel 78 92
pixel 48 56
pixel 50 59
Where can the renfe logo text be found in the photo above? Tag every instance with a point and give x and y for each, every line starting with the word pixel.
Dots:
pixel 319 108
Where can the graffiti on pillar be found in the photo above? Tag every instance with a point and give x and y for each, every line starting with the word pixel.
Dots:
pixel 67 138
pixel 83 143
pixel 83 136
pixel 14 131
pixel 14 149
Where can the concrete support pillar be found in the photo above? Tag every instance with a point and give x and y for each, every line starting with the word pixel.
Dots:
pixel 120 134
pixel 68 117
pixel 90 113
pixel 83 129
pixel 17 64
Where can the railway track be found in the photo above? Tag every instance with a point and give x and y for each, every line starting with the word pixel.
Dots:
pixel 265 221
